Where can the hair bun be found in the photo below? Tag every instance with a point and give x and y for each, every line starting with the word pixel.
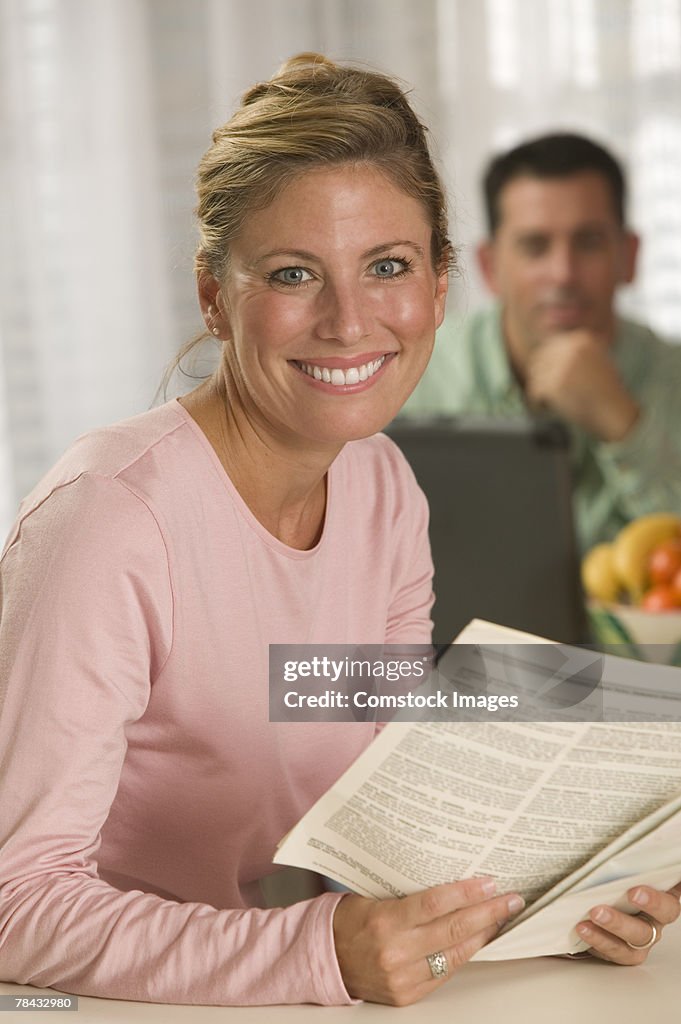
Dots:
pixel 312 113
pixel 293 73
pixel 308 59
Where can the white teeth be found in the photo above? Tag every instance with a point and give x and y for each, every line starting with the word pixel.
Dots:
pixel 341 378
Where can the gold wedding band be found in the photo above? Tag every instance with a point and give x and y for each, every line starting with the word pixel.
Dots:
pixel 651 940
pixel 438 964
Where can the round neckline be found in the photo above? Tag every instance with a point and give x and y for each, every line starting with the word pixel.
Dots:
pixel 244 510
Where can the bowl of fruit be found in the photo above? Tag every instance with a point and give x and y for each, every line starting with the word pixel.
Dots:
pixel 633 588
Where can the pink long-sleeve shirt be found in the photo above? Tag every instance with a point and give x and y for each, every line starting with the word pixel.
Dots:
pixel 142 788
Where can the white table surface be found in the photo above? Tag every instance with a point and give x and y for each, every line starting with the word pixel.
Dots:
pixel 542 991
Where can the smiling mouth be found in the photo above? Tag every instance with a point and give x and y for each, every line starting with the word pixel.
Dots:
pixel 341 378
pixel 569 305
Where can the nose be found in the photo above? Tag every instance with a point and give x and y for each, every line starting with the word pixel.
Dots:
pixel 343 312
pixel 562 264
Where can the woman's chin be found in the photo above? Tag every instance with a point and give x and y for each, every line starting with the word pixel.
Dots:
pixel 354 428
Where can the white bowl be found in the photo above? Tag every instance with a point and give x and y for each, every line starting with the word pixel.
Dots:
pixel 650 636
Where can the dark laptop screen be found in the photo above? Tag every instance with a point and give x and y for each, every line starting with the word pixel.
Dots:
pixel 501 526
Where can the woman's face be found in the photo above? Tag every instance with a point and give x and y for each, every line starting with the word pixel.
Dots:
pixel 330 307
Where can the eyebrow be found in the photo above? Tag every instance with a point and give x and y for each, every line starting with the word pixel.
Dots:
pixel 586 226
pixel 523 237
pixel 303 254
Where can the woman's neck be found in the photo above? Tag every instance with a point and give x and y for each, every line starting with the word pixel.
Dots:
pixel 284 487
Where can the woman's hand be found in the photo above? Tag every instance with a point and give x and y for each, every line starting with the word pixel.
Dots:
pixel 382 946
pixel 608 931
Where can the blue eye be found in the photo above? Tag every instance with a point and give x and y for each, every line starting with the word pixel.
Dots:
pixel 291 275
pixel 391 267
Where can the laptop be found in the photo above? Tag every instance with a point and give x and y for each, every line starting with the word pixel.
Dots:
pixel 501 525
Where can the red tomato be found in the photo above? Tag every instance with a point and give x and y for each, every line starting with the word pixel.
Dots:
pixel 676 584
pixel 665 561
pixel 662 598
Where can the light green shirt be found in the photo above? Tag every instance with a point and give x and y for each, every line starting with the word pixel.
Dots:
pixel 614 481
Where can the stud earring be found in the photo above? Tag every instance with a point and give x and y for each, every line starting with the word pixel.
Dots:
pixel 209 315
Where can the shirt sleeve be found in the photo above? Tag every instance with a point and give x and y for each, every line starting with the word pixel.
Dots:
pixel 412 595
pixel 644 469
pixel 85 629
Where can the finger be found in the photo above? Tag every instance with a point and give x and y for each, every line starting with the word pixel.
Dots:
pixel 440 900
pixel 539 383
pixel 458 935
pixel 607 946
pixel 460 954
pixel 663 907
pixel 535 392
pixel 456 957
pixel 468 928
pixel 418 976
pixel 609 933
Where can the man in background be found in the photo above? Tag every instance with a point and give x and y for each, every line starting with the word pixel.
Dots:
pixel 558 249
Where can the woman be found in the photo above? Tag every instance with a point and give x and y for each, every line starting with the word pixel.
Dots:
pixel 144 789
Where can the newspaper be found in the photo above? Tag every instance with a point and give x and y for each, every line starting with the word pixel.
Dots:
pixel 569 814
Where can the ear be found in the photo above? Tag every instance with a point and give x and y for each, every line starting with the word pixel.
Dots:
pixel 630 251
pixel 212 304
pixel 487 264
pixel 441 289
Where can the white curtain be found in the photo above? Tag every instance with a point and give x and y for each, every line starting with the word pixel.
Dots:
pixel 107 105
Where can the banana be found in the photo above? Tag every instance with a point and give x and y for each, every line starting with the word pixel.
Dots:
pixel 599 578
pixel 633 545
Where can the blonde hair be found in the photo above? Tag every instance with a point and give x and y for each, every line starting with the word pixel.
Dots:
pixel 312 113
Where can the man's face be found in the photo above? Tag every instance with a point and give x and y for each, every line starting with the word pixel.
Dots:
pixel 556 258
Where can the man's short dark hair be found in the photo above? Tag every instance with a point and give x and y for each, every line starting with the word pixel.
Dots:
pixel 552 156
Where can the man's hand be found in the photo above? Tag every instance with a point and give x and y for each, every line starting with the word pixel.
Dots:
pixel 573 374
